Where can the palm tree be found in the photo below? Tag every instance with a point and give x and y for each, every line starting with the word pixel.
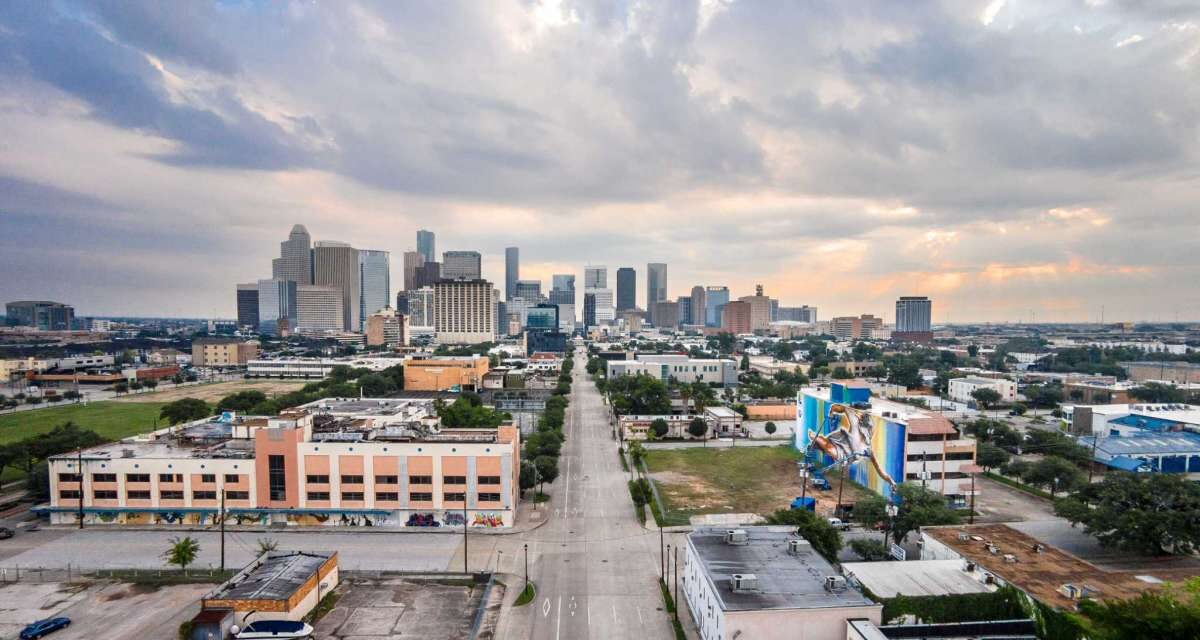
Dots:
pixel 182 552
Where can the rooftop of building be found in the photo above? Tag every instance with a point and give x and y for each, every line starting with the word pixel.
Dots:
pixel 1161 411
pixel 784 580
pixel 977 380
pixel 1042 570
pixel 276 575
pixel 1147 444
pixel 915 578
pixel 920 421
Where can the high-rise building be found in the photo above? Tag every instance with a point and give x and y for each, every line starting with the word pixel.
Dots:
pixel 803 313
pixel 563 291
pixel 914 319
pixel 698 307
pixel 530 290
pixel 760 309
pixel 426 246
pixel 735 317
pixel 714 299
pixel 413 260
pixel 626 288
pixel 666 315
pixel 685 310
pixel 464 311
pixel 276 306
pixel 512 271
pixel 318 308
pixel 295 258
pixel 656 286
pixel 387 328
pixel 427 275
pixel 374 283
pixel 420 308
pixel 602 306
pixel 543 317
pixel 462 265
pixel 542 330
pixel 247 305
pixel 589 309
pixel 335 264
pixel 595 277
pixel 40 314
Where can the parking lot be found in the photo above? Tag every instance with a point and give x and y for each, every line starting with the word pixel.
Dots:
pixel 393 607
pixel 99 609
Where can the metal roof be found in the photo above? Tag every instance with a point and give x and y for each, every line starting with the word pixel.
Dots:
pixel 276 575
pixel 1175 443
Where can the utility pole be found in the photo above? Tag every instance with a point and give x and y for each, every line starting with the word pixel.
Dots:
pixel 526 565
pixel 841 485
pixel 662 553
pixel 79 472
pixel 465 554
pixel 222 528
pixel 1092 462
pixel 971 516
pixel 676 584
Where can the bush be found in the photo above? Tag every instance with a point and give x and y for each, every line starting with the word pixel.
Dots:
pixel 869 549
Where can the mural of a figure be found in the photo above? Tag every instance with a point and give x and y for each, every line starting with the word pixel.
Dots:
pixel 847 438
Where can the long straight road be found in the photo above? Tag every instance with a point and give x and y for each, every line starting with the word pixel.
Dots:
pixel 595 566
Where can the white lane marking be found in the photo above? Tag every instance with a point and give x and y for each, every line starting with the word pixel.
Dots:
pixel 567 497
pixel 558 619
pixel 546 608
pixel 640 621
pixel 614 613
pixel 589 612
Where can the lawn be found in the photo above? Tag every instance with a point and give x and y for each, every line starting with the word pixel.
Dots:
pixel 735 480
pixel 112 420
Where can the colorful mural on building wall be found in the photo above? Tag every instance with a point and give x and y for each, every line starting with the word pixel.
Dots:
pixel 836 433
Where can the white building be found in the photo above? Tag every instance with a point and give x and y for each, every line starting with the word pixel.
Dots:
pixel 464 311
pixel 313 367
pixel 420 308
pixel 318 308
pixel 961 388
pixel 766 583
pixel 681 367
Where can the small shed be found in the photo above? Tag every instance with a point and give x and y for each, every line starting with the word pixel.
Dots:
pixel 278 585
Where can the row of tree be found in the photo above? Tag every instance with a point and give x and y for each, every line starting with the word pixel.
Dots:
pixel 30 454
pixel 539 464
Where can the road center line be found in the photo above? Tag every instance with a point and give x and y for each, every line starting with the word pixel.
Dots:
pixel 558 619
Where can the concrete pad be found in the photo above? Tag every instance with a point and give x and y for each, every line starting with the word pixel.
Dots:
pixel 371 621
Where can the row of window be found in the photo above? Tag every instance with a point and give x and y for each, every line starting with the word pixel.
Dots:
pixel 207 478
pixel 935 475
pixel 415 496
pixel 133 494
pixel 936 457
pixel 354 479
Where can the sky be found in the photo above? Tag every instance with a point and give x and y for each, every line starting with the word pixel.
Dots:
pixel 1015 160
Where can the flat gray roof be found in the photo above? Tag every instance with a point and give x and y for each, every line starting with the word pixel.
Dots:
pixel 915 578
pixel 276 577
pixel 785 581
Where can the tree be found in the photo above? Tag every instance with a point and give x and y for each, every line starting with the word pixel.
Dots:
pixel 697 428
pixel 150 384
pixel 637 453
pixel 1153 513
pixel 639 395
pixel 266 545
pixel 871 511
pixel 468 411
pixel 244 401
pixel 528 477
pixel 1158 392
pixel 840 373
pixel 989 456
pixel 659 427
pixel 185 410
pixel 1019 408
pixel 702 396
pixel 1169 613
pixel 869 549
pixel 182 552
pixel 824 539
pixel 986 398
pixel 1054 473
pixel 972 350
pixel 770 428
pixel 919 507
pixel 547 468
pixel 745 362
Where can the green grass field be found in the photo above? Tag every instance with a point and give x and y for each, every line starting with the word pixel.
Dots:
pixel 112 420
pixel 738 480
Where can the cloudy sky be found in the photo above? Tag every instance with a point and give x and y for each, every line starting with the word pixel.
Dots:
pixel 1011 159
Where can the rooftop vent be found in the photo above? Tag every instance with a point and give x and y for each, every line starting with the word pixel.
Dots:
pixel 993 549
pixel 969 566
pixel 126 453
pixel 964 536
pixel 1038 547
pixel 797 547
pixel 835 584
pixel 1010 558
pixel 744 582
pixel 737 537
pixel 1077 591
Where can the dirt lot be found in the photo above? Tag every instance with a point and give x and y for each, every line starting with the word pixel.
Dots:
pixel 215 391
pixel 401 608
pixel 737 480
pixel 99 610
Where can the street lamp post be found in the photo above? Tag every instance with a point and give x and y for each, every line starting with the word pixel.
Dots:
pixel 526 565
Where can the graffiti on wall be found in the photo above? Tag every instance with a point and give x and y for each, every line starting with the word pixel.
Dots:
pixel 488 520
pixel 422 520
pixel 454 519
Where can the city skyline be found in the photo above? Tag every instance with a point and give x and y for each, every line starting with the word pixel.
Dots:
pixel 912 152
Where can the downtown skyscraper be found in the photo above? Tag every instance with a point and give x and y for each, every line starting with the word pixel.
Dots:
pixel 295 257
pixel 656 286
pixel 512 271
pixel 626 288
pixel 335 264
pixel 374 283
pixel 426 245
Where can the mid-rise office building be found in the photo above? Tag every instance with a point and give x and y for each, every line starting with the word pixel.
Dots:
pixel 318 308
pixel 295 258
pixel 462 265
pixel 715 298
pixel 512 272
pixel 374 281
pixel 913 319
pixel 699 310
pixel 426 245
pixel 685 309
pixel 336 264
pixel 960 389
pixel 595 277
pixel 542 330
pixel 386 328
pixel 374 462
pixel 40 314
pixel 803 313
pixel 760 309
pixel 247 305
pixel 223 352
pixel 656 287
pixel 666 315
pixel 276 307
pixel 413 260
pixel 601 306
pixel 445 373
pixel 464 311
pixel 851 327
pixel 626 288
pixel 420 307
pixel 736 317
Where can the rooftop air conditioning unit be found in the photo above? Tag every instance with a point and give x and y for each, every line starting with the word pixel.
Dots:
pixel 964 536
pixel 1038 547
pixel 989 578
pixel 993 549
pixel 797 547
pixel 1010 558
pixel 737 537
pixel 744 582
pixel 835 584
pixel 126 453
pixel 969 566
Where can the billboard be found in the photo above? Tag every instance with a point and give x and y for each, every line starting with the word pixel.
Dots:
pixel 836 433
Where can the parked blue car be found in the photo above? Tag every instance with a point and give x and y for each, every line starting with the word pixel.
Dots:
pixel 43 627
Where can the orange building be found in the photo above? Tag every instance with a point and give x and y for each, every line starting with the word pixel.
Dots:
pixel 445 373
pixel 736 318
